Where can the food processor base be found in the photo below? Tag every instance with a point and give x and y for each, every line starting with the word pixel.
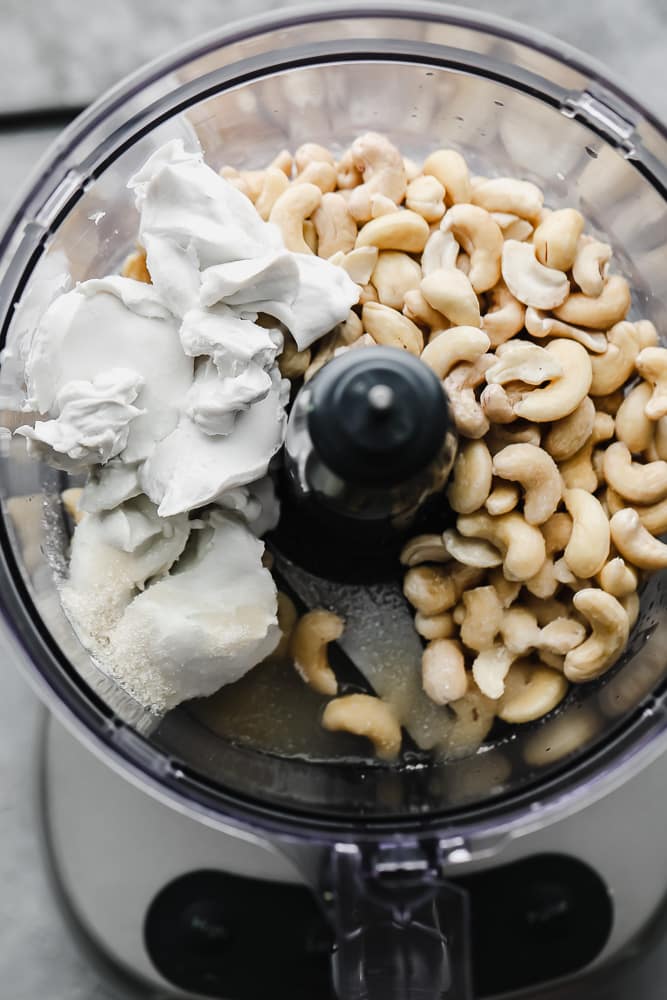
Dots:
pixel 172 908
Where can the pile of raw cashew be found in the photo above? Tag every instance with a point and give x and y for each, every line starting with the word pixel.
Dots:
pixel 560 484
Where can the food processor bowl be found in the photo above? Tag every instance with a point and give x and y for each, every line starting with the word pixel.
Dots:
pixel 377 840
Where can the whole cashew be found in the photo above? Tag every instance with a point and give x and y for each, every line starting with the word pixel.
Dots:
pixel 444 677
pixel 381 205
pixel 618 578
pixel 424 549
pixel 403 230
pixel 632 425
pixel 470 419
pixel 635 543
pixel 470 482
pixel 451 170
pixel 545 609
pixel 600 313
pixel 652 516
pixel 519 631
pixel 538 324
pixel 529 281
pixel 556 238
pixel 365 715
pixel 519 433
pixel 471 551
pixel 651 363
pixel 615 366
pixel 502 499
pixel 544 583
pixel 588 548
pixel 347 174
pixel 520 543
pixel 416 308
pixel 590 266
pixel 482 619
pixel 610 630
pixel 643 484
pixel 435 626
pixel 537 473
pixel 523 361
pixel 578 472
pixel 321 174
pixel 440 253
pixel 395 274
pixel 561 635
pixel 557 531
pixel 359 264
pixel 460 343
pixel 567 436
pixel 506 194
pixel 450 293
pixel 308 648
pixel 490 668
pixel 603 427
pixel 648 335
pixel 531 692
pixel 312 152
pixel 426 196
pixel 565 393
pixel 504 317
pixel 290 211
pixel 310 235
pixel 274 184
pixel 336 229
pixel 381 166
pixel 497 405
pixel 507 590
pixel 481 238
pixel 434 589
pixel 391 328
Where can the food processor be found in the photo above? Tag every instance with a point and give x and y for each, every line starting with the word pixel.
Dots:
pixel 196 861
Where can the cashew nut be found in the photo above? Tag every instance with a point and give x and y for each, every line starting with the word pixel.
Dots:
pixel 381 205
pixel 441 252
pixel 404 230
pixel 537 473
pixel 287 618
pixel 615 366
pixel 394 274
pixel 319 173
pixel 557 531
pixel 544 583
pixel 519 433
pixel 70 498
pixel 643 484
pixel 471 551
pixel 359 264
pixel 603 427
pixel 460 343
pixel 648 335
pixel 556 238
pixel 391 328
pixel 529 281
pixel 444 677
pixel 590 266
pixel 561 635
pixel 523 361
pixel 364 715
pixel 482 619
pixel 507 590
pixel 519 631
pixel 618 578
pixel 336 229
pixel 426 195
pixel 470 481
pixel 632 426
pixel 424 549
pixel 610 627
pixel 497 405
pixel 564 394
pixel 481 238
pixel 567 436
pixel 416 308
pixel 435 626
pixel 450 293
pixel 273 185
pixel 381 165
pixel 290 211
pixel 531 692
pixel 652 516
pixel 470 419
pixel 506 194
pixel 490 668
pixel 293 362
pixel 308 649
pixel 635 543
pixel 434 589
pixel 651 363
pixel 451 170
pixel 578 472
pixel 600 313
pixel 310 235
pixel 347 174
pixel 312 152
pixel 588 547
pixel 504 317
pixel 502 499
pixel 520 543
pixel 538 324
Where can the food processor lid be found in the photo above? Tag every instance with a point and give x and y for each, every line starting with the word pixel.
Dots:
pixel 377 416
pixel 153 752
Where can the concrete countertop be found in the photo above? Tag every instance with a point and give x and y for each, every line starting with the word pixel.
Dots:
pixel 50 56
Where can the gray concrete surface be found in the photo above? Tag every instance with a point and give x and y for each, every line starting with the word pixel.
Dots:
pixel 65 52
